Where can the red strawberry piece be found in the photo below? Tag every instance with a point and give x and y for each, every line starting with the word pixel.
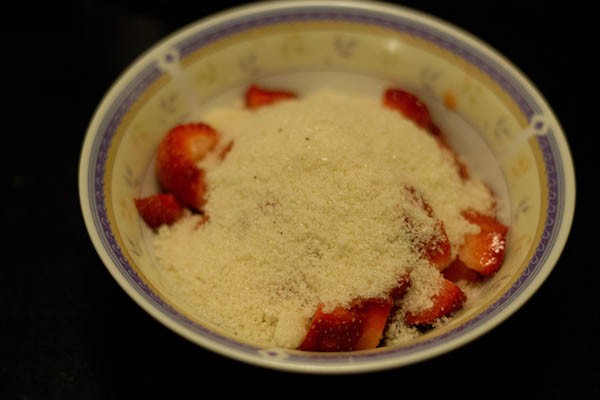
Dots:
pixel 463 170
pixel 437 249
pixel 414 109
pixel 159 209
pixel 397 294
pixel 225 150
pixel 375 313
pixel 359 327
pixel 398 291
pixel 457 271
pixel 201 221
pixel 411 107
pixel 449 299
pixel 178 153
pixel 417 198
pixel 257 96
pixel 187 184
pixel 461 167
pixel 187 142
pixel 486 223
pixel 484 251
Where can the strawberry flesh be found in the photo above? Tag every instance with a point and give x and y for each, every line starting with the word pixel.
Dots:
pixel 486 223
pixel 437 249
pixel 186 182
pixel 483 251
pixel 411 107
pixel 402 286
pixel 159 209
pixel 414 109
pixel 178 153
pixel 461 167
pixel 397 294
pixel 358 327
pixel 257 96
pixel 449 299
pixel 457 271
pixel 187 143
pixel 223 153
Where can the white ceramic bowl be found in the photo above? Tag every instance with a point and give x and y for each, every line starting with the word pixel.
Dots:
pixel 500 124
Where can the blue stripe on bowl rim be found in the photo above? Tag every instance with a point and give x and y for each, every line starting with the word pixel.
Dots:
pixel 397 20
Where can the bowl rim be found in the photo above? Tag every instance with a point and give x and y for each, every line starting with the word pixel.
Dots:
pixel 363 365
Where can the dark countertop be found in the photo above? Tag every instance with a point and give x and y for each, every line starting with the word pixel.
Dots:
pixel 69 331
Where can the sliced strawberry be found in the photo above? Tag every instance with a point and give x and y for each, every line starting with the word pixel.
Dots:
pixel 461 167
pixel 187 184
pixel 486 223
pixel 417 198
pixel 223 153
pixel 159 209
pixel 448 300
pixel 178 153
pixel 414 109
pixel 359 327
pixel 463 170
pixel 411 107
pixel 437 248
pixel 375 312
pixel 397 294
pixel 484 251
pixel 398 291
pixel 257 96
pixel 338 330
pixel 187 143
pixel 457 271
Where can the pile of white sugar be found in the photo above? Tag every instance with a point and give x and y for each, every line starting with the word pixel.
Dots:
pixel 308 207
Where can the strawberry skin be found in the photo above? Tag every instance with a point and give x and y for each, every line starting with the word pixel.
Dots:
pixel 375 313
pixel 159 209
pixel 359 327
pixel 402 286
pixel 485 222
pixel 225 150
pixel 448 300
pixel 397 294
pixel 411 107
pixel 178 153
pixel 414 109
pixel 484 251
pixel 257 96
pixel 338 330
pixel 187 142
pixel 186 183
pixel 437 249
pixel 457 271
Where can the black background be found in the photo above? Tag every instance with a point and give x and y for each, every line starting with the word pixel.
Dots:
pixel 67 330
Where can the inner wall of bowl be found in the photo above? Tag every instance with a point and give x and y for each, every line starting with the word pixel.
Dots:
pixel 183 77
